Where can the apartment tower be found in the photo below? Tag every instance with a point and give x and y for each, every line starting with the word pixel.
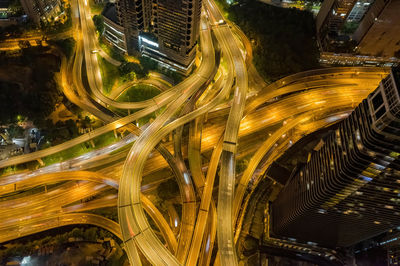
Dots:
pixel 41 10
pixel 165 30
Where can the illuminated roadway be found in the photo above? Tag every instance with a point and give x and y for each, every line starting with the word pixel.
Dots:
pixel 302 103
pixel 226 246
pixel 18 221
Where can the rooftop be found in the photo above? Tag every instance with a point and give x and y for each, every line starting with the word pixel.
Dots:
pixel 110 12
pixel 4 3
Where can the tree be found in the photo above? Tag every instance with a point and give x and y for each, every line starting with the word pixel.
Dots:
pixel 168 189
pixel 127 68
pixel 241 165
pixel 76 232
pixel 66 45
pixel 15 131
pixel 147 63
pixel 91 234
pixel 99 23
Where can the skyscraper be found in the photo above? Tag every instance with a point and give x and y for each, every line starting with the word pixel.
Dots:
pixel 350 189
pixel 334 14
pixel 378 33
pixel 134 16
pixel 331 17
pixel 41 10
pixel 165 30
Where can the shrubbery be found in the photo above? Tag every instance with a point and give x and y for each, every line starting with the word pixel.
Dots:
pixel 283 40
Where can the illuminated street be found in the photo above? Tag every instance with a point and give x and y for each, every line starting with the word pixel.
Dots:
pixel 222 115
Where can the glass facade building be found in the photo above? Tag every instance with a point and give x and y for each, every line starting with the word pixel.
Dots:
pixel 350 189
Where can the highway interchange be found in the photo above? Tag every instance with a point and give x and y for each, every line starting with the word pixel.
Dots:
pixel 230 114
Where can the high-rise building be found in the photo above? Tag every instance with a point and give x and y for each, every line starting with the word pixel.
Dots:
pixel 350 189
pixel 378 33
pixel 331 17
pixel 135 17
pixel 165 30
pixel 113 31
pixel 359 10
pixel 41 10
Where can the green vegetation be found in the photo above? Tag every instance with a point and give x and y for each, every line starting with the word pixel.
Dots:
pixel 108 212
pixel 241 165
pixel 175 76
pixel 109 73
pixel 52 238
pixel 112 51
pixel 350 27
pixel 66 45
pixel 283 40
pixel 137 93
pixel 147 63
pixel 80 149
pixel 34 69
pixel 59 132
pixel 168 189
pixel 132 70
pixel 96 8
pixel 98 21
pixel 15 131
pixel 15 8
pixel 59 25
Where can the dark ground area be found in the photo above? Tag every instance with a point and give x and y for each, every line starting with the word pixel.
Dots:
pixel 27 84
pixel 283 39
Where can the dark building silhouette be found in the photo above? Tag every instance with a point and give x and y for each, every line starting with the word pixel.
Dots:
pixel 349 191
pixel 379 32
pixel 330 19
pixel 165 30
pixel 41 10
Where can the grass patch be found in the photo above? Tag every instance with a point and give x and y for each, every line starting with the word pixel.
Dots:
pixel 80 149
pixel 67 154
pixel 112 51
pixel 138 93
pixel 109 74
pixel 96 8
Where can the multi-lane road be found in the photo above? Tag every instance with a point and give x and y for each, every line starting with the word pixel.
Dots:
pixel 223 119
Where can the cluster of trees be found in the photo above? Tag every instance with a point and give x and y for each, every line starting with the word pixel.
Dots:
pixel 66 45
pixel 40 98
pixel 131 70
pixel 283 40
pixel 59 132
pixel 99 23
pixel 15 8
pixel 57 26
pixel 168 189
pixel 15 31
pixel 23 247
pixel 15 131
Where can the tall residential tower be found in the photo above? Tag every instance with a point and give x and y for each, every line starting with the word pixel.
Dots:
pixel 165 30
pixel 41 10
pixel 350 189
